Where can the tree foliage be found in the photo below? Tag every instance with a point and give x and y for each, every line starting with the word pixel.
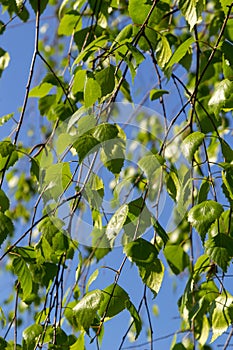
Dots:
pixel 131 101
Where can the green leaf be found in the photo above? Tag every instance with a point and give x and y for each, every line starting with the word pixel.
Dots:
pixel 92 92
pixel 41 90
pixel 114 301
pixel 91 279
pixel 6 148
pixel 227 150
pixel 222 92
pixel 6 227
pixel 160 230
pixel 5 118
pixel 105 131
pixel 163 51
pixel 180 52
pixel 57 178
pixel 149 164
pixel 4 60
pixel 106 79
pixel 85 145
pixel 79 344
pixel 24 276
pixel 176 257
pixel 220 249
pixel 31 335
pixel 225 5
pixel 85 310
pixel 43 5
pixel 136 318
pixel 203 191
pixel 157 93
pixel 4 201
pixel 138 220
pixel 222 315
pixel 79 81
pixel 116 223
pixel 144 255
pixel 189 10
pixel 69 22
pixel 203 215
pixel 191 144
pixel 138 11
pixel 96 44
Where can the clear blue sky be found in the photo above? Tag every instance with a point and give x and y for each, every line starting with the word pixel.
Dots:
pixel 18 40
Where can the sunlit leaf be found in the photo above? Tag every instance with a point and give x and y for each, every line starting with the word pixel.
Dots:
pixel 31 335
pixel 116 223
pixel 163 51
pixel 191 144
pixel 222 315
pixel 180 52
pixel 92 91
pixel 202 215
pixel 188 9
pixel 114 301
pixel 85 310
pixel 85 145
pixel 220 249
pixel 156 93
pixel 176 257
pixel 4 60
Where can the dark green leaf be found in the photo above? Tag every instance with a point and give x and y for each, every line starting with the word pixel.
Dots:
pixel 106 79
pixel 160 230
pixel 176 257
pixel 156 93
pixel 4 201
pixel 85 145
pixel 23 273
pixel 144 255
pixel 43 4
pixel 6 227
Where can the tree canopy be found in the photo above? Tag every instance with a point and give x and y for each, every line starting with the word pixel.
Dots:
pixel 117 164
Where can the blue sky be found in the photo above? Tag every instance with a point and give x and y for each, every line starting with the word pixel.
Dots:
pixel 18 40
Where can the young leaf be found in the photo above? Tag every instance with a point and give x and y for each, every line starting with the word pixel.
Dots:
pixel 220 249
pixel 189 10
pixel 157 93
pixel 222 315
pixel 203 215
pixel 85 310
pixel 92 91
pixel 31 334
pixel 180 52
pixel 24 276
pixel 191 143
pixel 144 255
pixel 222 92
pixel 163 51
pixel 116 223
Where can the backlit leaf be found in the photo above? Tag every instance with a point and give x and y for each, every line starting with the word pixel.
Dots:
pixel 116 223
pixel 220 249
pixel 85 310
pixel 157 93
pixel 4 60
pixel 188 9
pixel 222 315
pixel 203 215
pixel 163 51
pixel 23 273
pixel 92 91
pixel 114 301
pixel 180 52
pixel 191 144
pixel 85 145
pixel 176 257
